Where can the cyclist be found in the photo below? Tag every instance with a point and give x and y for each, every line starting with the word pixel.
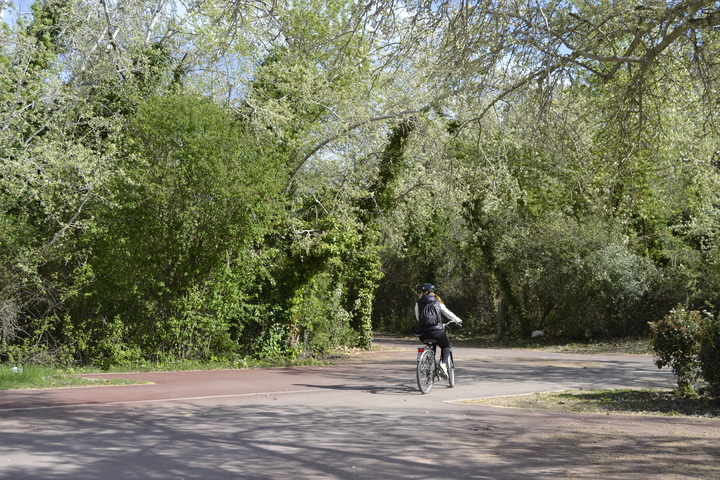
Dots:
pixel 429 309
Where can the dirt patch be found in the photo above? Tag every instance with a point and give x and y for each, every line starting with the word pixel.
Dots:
pixel 359 356
pixel 622 401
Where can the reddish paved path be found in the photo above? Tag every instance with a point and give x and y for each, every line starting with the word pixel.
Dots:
pixel 364 419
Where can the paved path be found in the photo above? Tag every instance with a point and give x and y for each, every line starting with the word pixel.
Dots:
pixel 361 419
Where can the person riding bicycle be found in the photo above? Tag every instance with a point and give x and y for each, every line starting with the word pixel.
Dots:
pixel 429 309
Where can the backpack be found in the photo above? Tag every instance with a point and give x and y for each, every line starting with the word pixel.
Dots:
pixel 428 311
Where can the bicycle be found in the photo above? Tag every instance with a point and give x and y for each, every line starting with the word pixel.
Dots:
pixel 429 370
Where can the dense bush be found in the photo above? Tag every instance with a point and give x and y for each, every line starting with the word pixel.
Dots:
pixel 676 342
pixel 709 353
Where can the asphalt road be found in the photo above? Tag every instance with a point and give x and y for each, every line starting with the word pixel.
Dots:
pixel 361 419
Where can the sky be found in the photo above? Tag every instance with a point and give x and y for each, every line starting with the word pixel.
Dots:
pixel 15 8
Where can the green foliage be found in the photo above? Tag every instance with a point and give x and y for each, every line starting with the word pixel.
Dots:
pixel 16 377
pixel 326 280
pixel 689 343
pixel 676 345
pixel 46 29
pixel 318 318
pixel 104 343
pixel 577 280
pixel 559 267
pixel 229 180
pixel 709 353
pixel 177 243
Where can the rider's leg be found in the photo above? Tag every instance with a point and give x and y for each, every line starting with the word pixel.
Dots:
pixel 444 344
pixel 442 341
pixel 445 354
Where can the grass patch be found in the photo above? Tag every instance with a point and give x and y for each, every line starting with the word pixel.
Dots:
pixel 36 376
pixel 619 401
pixel 39 376
pixel 179 365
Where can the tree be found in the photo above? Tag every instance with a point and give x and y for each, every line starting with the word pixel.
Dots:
pixel 48 180
pixel 532 152
pixel 175 252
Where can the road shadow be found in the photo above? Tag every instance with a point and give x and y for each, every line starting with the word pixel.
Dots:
pixel 261 441
pixel 510 374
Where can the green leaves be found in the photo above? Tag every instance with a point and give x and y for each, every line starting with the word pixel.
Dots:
pixel 677 340
pixel 242 175
pixel 193 202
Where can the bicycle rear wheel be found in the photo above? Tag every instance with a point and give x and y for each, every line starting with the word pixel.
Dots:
pixel 451 371
pixel 426 371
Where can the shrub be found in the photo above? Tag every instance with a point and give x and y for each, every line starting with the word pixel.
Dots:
pixel 709 354
pixel 675 340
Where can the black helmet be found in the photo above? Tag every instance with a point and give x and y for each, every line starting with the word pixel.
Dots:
pixel 426 288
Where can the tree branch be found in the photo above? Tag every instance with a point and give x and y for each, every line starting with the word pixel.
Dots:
pixel 355 126
pixel 111 32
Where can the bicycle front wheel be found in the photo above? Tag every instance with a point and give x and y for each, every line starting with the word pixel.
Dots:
pixel 425 372
pixel 451 371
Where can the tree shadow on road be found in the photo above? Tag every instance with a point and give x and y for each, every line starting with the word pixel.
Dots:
pixel 271 441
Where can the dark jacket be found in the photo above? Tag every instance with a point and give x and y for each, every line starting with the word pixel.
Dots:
pixel 429 302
